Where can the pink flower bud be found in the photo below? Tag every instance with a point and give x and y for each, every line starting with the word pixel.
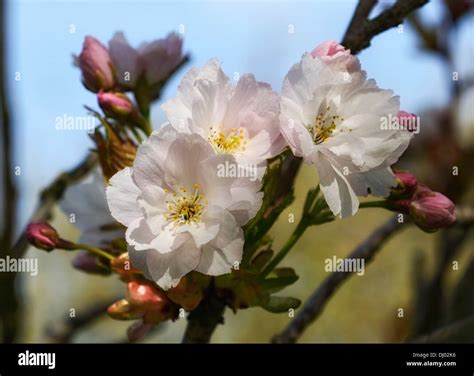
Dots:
pixel 408 121
pixel 123 310
pixel 115 104
pixel 151 301
pixel 96 66
pixel 407 184
pixel 42 236
pixel 432 211
pixel 332 52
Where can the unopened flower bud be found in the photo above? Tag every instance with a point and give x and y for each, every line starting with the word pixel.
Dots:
pixel 408 121
pixel 406 185
pixel 151 301
pixel 96 66
pixel 123 310
pixel 115 152
pixel 44 236
pixel 190 290
pixel 432 211
pixel 115 105
pixel 122 266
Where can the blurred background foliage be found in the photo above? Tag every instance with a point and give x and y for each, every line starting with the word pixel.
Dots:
pixel 413 271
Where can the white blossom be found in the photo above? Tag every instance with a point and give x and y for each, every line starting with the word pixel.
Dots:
pixel 332 118
pixel 180 215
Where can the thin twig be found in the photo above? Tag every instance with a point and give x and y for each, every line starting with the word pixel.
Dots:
pixel 64 331
pixel 429 309
pixel 361 14
pixel 459 332
pixel 318 300
pixel 357 40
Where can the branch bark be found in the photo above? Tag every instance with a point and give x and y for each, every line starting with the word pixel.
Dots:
pixel 359 38
pixel 204 319
pixel 362 12
pixel 318 300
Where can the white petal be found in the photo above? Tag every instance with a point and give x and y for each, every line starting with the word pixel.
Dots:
pixel 87 202
pixel 151 156
pixel 167 269
pixel 225 252
pixel 183 165
pixel 377 182
pixel 122 194
pixel 337 191
pixel 153 202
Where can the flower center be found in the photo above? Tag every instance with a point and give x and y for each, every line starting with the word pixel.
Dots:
pixel 186 208
pixel 231 142
pixel 325 125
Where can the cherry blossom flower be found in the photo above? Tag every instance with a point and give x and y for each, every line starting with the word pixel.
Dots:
pixel 332 118
pixel 155 60
pixel 240 120
pixel 180 215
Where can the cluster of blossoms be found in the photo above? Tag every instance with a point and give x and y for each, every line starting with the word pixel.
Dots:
pixel 182 218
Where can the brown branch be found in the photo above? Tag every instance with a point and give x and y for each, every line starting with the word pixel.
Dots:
pixel 204 319
pixel 429 307
pixel 64 331
pixel 318 300
pixel 361 14
pixel 358 39
pixel 459 332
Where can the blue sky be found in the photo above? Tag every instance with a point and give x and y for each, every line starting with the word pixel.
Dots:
pixel 247 36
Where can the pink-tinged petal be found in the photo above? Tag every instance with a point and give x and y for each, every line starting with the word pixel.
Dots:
pixel 151 156
pixel 126 60
pixel 225 252
pixel 122 194
pixel 167 269
pixel 210 96
pixel 183 163
pixel 161 57
pixel 337 191
pixel 152 201
pixel 332 52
